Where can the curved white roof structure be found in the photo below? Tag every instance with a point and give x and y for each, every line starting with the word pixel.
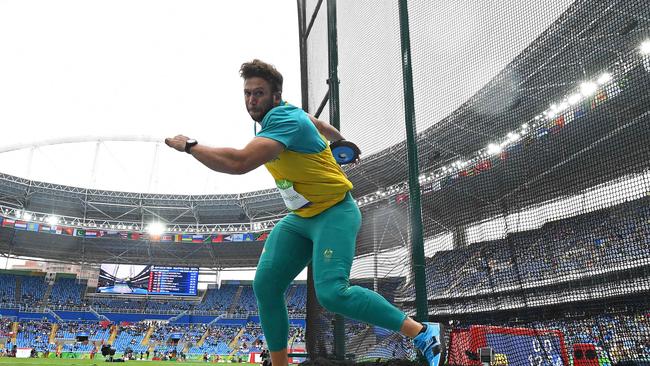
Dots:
pixel 90 90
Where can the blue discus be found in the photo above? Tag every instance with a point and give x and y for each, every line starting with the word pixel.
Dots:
pixel 345 152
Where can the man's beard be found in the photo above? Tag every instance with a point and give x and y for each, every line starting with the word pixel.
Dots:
pixel 260 117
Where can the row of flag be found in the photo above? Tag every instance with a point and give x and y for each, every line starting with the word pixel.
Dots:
pixel 125 235
pixel 552 127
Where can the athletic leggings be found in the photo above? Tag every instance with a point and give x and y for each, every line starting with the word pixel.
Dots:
pixel 328 241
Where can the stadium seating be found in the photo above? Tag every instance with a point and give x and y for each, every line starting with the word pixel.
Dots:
pixel 32 289
pixel 570 248
pixel 7 290
pixel 66 293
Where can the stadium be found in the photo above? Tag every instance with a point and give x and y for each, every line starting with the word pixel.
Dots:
pixel 504 187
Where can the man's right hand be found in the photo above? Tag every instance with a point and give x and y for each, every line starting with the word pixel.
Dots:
pixel 177 142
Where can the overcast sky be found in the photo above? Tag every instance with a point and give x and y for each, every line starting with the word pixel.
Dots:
pixel 152 68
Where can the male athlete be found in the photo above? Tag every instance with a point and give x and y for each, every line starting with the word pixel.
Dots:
pixel 324 219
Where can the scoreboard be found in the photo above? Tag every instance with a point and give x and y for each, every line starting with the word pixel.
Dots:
pixel 173 281
pixel 147 280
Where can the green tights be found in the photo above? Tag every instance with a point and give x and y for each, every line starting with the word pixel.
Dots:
pixel 328 241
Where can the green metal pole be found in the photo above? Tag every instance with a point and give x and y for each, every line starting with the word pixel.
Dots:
pixel 333 56
pixel 417 242
pixel 335 120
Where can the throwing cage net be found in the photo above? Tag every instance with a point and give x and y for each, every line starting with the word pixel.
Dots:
pixel 531 125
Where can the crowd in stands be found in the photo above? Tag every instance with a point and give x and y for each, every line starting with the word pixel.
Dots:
pixel 6 325
pixel 621 337
pixel 34 334
pixel 609 239
pixel 617 336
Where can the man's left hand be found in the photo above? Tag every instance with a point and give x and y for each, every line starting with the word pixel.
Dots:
pixel 177 142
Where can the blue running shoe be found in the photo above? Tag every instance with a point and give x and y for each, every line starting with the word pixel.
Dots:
pixel 431 345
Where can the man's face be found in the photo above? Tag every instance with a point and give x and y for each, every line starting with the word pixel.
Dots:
pixel 258 97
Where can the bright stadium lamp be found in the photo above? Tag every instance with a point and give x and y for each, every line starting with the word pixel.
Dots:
pixel 575 98
pixel 493 149
pixel 604 78
pixel 27 216
pixel 588 88
pixel 645 47
pixel 156 228
pixel 52 220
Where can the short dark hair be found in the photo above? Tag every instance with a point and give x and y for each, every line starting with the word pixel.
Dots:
pixel 268 72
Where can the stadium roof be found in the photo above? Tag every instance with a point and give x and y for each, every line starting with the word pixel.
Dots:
pixel 581 156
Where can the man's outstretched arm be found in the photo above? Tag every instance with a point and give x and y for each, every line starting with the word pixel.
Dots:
pixel 228 160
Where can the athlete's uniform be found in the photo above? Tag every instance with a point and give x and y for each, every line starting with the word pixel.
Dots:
pixel 321 228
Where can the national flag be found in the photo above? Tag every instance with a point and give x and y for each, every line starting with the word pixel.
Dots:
pixel 402 198
pixel 557 124
pixel 427 188
pixel 112 234
pixel 178 238
pixel 600 97
pixel 436 186
pixel 217 238
pixel 32 226
pixel 579 112
pixel 569 117
pixel 540 132
pixel 154 237
pixel 20 225
pixel 483 165
pixel 167 238
pixel 91 234
pixel 45 229
pixel 79 232
pixel 237 237
pixel 57 230
pixel 8 222
pixel 262 237
pixel 186 238
pixel 197 238
pixel 130 236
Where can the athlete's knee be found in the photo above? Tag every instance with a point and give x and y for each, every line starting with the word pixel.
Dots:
pixel 332 295
pixel 264 286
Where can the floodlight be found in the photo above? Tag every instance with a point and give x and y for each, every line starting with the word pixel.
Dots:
pixel 604 78
pixel 52 220
pixel 588 88
pixel 645 47
pixel 575 98
pixel 156 228
pixel 493 149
